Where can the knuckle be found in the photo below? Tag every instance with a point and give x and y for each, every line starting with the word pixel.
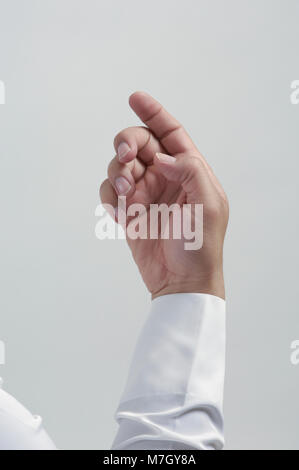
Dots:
pixel 103 186
pixel 216 210
pixel 111 167
pixel 125 134
pixel 196 164
pixel 119 136
pixel 193 165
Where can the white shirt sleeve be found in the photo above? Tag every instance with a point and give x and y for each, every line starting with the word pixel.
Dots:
pixel 19 429
pixel 174 392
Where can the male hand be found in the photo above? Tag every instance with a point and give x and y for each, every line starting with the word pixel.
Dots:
pixel 159 164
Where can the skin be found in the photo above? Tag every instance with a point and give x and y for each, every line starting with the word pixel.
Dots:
pixel 145 177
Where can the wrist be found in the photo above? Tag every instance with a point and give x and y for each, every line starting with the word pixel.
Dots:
pixel 213 285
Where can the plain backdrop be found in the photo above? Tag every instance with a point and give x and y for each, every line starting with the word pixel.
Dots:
pixel 71 306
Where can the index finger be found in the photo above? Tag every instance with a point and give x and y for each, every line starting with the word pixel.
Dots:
pixel 166 128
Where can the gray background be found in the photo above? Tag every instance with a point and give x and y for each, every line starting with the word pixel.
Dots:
pixel 71 305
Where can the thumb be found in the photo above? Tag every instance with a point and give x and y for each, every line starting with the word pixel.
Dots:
pixel 189 171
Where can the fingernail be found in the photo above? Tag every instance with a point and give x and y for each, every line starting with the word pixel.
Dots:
pixel 165 158
pixel 122 185
pixel 122 150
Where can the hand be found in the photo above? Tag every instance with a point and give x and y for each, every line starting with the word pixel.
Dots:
pixel 178 174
